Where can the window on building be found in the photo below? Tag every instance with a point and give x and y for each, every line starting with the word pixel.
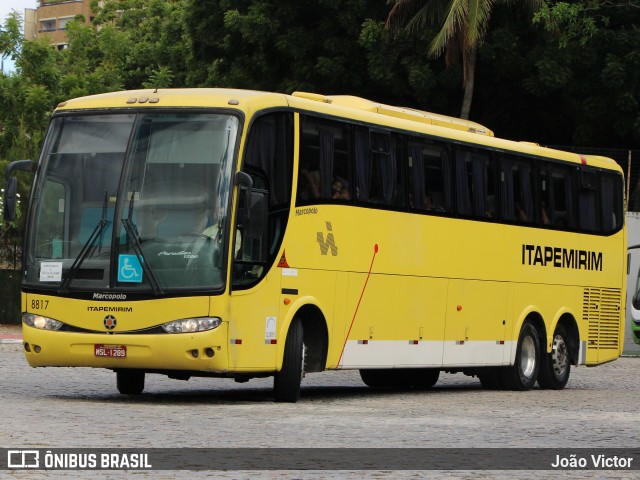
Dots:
pixel 62 22
pixel 48 25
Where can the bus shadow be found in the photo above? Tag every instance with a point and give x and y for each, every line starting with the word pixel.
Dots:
pixel 248 395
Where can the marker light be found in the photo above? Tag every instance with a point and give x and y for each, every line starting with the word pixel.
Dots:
pixel 191 325
pixel 40 322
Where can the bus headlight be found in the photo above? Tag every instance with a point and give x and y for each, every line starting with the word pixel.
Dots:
pixel 190 325
pixel 41 322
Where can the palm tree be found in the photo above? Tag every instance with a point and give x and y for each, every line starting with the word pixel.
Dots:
pixel 464 24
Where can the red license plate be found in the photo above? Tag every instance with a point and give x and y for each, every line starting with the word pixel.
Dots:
pixel 116 351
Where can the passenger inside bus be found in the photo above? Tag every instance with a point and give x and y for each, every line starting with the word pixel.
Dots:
pixel 309 185
pixel 340 190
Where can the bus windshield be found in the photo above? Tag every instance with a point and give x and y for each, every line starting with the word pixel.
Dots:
pixel 132 202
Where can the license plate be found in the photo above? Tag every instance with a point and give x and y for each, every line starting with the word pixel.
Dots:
pixel 117 351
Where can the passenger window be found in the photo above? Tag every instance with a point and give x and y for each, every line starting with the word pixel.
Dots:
pixel 324 172
pixel 379 174
pixel 587 201
pixel 517 189
pixel 611 186
pixel 556 188
pixel 270 153
pixel 476 173
pixel 430 177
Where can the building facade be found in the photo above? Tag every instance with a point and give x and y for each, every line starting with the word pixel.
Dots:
pixel 51 17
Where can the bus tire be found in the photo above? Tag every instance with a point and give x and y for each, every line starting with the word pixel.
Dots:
pixel 286 382
pixel 522 375
pixel 130 382
pixel 555 367
pixel 424 378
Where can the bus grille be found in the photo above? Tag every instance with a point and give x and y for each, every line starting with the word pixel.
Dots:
pixel 601 308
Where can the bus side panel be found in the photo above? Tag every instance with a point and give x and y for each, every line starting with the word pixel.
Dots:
pixel 396 321
pixel 475 327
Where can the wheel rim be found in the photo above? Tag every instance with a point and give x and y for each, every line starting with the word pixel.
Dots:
pixel 559 356
pixel 528 357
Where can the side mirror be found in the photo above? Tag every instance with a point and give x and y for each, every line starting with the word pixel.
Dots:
pixel 10 199
pixel 10 191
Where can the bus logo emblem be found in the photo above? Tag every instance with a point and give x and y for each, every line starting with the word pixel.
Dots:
pixel 110 322
pixel 329 243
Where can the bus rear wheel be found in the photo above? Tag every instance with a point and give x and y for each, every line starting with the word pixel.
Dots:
pixel 130 382
pixel 286 382
pixel 556 366
pixel 522 375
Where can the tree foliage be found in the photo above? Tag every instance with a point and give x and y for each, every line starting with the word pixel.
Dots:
pixel 462 29
pixel 570 77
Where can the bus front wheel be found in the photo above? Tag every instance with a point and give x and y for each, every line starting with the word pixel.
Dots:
pixel 522 375
pixel 556 366
pixel 286 382
pixel 130 382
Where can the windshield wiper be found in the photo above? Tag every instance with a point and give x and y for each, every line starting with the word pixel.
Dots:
pixel 87 247
pixel 135 243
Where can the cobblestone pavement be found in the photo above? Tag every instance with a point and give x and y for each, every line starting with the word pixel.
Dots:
pixel 73 408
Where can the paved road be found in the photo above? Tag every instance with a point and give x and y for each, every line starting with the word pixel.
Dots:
pixel 61 407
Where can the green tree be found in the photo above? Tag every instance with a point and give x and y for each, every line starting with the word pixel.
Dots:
pixel 10 38
pixel 143 41
pixel 281 45
pixel 464 24
pixel 594 77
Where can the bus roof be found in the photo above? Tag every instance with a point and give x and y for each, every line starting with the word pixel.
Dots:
pixel 399 112
pixel 345 106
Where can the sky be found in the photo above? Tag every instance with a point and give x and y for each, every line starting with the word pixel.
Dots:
pixel 5 8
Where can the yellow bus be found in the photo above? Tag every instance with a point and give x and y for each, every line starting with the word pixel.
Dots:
pixel 243 234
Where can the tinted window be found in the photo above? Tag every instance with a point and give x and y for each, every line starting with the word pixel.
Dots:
pixel 517 189
pixel 325 170
pixel 475 183
pixel 379 172
pixel 556 189
pixel 429 175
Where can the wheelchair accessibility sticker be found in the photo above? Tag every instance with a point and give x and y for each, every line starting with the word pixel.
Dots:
pixel 129 269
